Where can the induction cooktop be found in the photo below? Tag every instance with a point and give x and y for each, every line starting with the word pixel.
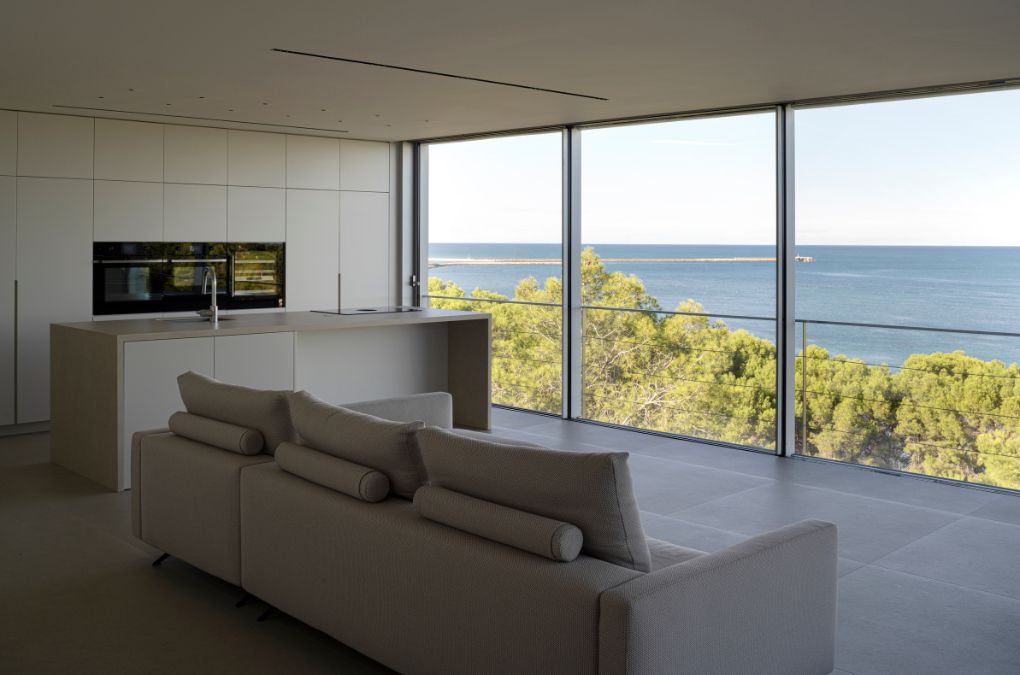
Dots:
pixel 393 309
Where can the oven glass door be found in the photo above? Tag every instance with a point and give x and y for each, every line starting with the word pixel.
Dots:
pixel 127 278
pixel 257 273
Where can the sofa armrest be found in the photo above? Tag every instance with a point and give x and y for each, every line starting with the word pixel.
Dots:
pixel 434 409
pixel 136 477
pixel 766 606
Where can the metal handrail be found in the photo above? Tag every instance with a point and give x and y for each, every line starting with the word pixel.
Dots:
pixel 503 302
pixel 931 329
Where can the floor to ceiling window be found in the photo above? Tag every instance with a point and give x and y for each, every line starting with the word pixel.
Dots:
pixel 906 217
pixel 910 308
pixel 678 278
pixel 494 245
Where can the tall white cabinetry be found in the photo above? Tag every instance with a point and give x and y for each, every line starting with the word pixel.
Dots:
pixel 8 262
pixel 313 246
pixel 54 271
pixel 365 249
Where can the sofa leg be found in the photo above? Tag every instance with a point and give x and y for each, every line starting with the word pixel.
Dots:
pixel 266 614
pixel 159 561
pixel 245 599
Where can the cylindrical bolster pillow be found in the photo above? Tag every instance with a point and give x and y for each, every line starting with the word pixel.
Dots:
pixel 543 536
pixel 332 472
pixel 218 434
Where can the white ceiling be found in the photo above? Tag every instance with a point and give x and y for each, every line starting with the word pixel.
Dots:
pixel 212 60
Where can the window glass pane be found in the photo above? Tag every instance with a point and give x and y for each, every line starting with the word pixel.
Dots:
pixel 678 276
pixel 494 236
pixel 909 210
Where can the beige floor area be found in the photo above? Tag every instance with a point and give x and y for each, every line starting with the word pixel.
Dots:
pixel 77 594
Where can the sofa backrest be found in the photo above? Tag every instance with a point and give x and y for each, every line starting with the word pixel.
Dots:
pixel 590 490
pixel 264 411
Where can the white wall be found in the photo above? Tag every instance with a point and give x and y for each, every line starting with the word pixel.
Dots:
pixel 68 181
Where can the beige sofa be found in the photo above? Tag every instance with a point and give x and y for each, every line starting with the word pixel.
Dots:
pixel 506 589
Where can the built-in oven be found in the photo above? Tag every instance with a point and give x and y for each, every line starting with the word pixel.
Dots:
pixel 127 278
pixel 131 278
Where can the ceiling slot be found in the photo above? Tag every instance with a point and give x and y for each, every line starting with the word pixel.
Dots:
pixel 438 74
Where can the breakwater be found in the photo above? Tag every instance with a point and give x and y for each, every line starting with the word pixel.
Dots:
pixel 448 262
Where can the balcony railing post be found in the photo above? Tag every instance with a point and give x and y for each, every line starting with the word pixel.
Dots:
pixel 803 388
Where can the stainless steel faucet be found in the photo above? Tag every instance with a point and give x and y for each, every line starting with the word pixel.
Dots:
pixel 214 310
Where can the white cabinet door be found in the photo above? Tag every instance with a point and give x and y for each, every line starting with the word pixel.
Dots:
pixel 128 211
pixel 313 163
pixel 256 159
pixel 8 258
pixel 194 155
pixel 129 150
pixel 256 214
pixel 150 385
pixel 261 361
pixel 57 146
pixel 365 249
pixel 54 278
pixel 194 213
pixel 364 166
pixel 313 241
pixel 8 143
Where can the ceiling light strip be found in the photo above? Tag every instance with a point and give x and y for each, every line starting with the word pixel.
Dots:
pixel 438 74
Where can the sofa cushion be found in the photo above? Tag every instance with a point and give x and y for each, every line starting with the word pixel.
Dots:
pixel 218 434
pixel 592 491
pixel 352 479
pixel 265 411
pixel 542 536
pixel 371 441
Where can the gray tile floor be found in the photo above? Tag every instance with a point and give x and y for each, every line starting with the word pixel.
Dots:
pixel 929 573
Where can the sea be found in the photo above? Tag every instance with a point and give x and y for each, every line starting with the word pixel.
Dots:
pixel 949 288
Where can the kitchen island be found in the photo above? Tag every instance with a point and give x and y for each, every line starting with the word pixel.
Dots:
pixel 109 379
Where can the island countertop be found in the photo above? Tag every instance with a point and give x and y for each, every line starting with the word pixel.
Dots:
pixel 131 330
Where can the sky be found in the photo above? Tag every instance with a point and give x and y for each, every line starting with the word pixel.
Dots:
pixel 938 171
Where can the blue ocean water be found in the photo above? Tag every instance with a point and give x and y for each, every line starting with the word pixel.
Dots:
pixel 963 288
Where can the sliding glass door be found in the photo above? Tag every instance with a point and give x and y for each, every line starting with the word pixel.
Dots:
pixel 678 277
pixel 494 245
